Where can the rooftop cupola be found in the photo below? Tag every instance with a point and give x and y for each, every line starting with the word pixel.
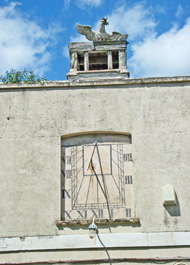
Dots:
pixel 103 57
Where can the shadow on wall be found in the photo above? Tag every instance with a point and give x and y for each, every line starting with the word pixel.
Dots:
pixel 173 210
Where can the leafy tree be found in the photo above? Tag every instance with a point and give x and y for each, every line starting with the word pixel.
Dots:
pixel 21 76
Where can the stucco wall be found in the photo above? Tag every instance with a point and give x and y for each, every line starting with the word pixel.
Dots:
pixel 33 120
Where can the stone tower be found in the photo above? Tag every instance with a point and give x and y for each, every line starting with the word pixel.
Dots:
pixel 103 57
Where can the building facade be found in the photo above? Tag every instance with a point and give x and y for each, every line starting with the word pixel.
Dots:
pixel 99 147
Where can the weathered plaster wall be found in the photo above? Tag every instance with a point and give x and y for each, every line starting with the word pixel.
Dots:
pixel 129 256
pixel 33 119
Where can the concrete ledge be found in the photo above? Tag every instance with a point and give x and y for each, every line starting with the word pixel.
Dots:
pixel 120 240
pixel 111 74
pixel 98 221
pixel 98 82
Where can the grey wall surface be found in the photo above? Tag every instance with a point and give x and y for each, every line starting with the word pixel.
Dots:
pixel 33 119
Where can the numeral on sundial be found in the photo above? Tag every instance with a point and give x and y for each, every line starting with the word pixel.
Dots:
pixel 68 159
pixel 63 156
pixel 63 173
pixel 111 213
pixel 67 214
pixel 128 179
pixel 127 157
pixel 83 215
pixel 95 214
pixel 128 212
pixel 100 213
pixel 68 173
pixel 65 193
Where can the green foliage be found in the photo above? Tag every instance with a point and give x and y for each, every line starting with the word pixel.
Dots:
pixel 21 76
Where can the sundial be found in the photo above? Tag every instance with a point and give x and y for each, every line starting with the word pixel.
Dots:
pixel 97 180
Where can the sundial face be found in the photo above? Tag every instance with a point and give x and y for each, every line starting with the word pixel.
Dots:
pixel 97 180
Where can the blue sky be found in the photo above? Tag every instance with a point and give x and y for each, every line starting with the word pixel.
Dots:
pixel 35 34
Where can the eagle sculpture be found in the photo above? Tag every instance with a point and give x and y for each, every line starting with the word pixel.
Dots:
pixel 101 34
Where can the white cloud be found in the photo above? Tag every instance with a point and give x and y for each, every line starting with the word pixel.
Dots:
pixel 137 21
pixel 152 55
pixel 23 43
pixel 67 4
pixel 164 55
pixel 88 3
pixel 179 11
pixel 83 4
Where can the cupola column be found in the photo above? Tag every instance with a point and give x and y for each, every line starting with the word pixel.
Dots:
pixel 122 59
pixel 74 61
pixel 86 61
pixel 110 61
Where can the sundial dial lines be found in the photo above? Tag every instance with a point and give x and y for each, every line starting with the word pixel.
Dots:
pixel 98 181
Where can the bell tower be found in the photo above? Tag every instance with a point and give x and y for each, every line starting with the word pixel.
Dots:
pixel 103 57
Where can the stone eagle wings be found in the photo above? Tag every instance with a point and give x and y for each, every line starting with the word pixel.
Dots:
pixel 101 34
